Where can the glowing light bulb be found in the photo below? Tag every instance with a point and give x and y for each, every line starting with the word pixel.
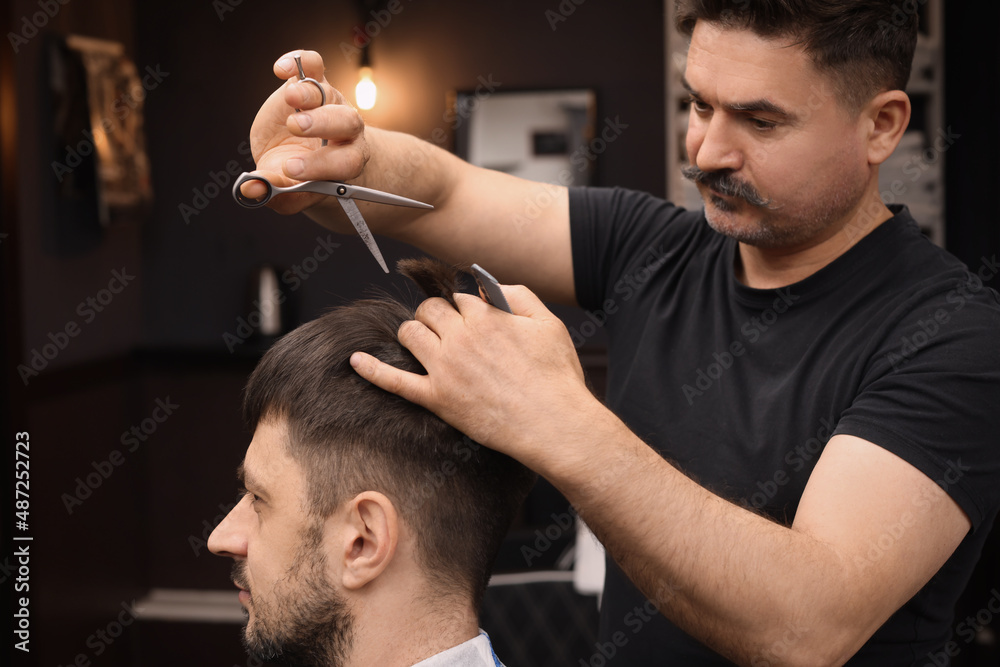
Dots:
pixel 365 91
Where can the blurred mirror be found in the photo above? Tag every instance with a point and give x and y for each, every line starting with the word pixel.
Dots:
pixel 541 135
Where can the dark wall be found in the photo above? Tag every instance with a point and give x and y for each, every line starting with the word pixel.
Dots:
pixel 972 97
pixel 84 565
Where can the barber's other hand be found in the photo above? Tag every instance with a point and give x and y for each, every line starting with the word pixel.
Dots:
pixel 287 145
pixel 511 382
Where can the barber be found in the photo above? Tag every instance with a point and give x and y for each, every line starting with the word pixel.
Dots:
pixel 827 494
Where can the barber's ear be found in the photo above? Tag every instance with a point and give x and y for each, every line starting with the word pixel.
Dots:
pixel 371 534
pixel 888 115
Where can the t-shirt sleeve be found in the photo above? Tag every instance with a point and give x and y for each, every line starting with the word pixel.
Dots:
pixel 931 395
pixel 609 228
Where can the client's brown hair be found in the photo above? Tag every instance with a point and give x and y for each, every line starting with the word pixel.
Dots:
pixel 350 436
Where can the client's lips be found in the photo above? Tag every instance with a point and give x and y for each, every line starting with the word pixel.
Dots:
pixel 244 593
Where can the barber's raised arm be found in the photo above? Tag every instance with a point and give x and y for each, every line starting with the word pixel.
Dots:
pixel 518 229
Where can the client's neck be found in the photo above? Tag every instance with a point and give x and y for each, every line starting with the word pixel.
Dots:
pixel 402 628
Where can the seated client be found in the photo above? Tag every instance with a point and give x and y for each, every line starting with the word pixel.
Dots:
pixel 368 527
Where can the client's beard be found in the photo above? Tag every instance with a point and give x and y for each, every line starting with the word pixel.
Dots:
pixel 308 623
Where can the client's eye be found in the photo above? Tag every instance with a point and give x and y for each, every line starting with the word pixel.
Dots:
pixel 242 493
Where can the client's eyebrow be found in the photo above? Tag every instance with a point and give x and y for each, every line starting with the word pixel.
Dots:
pixel 761 105
pixel 249 481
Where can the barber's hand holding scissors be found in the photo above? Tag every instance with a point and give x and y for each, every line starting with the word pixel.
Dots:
pixel 287 146
pixel 510 381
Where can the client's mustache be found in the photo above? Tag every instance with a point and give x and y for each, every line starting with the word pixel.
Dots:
pixel 239 575
pixel 724 183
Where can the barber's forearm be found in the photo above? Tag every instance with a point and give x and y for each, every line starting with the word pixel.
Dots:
pixel 749 588
pixel 517 229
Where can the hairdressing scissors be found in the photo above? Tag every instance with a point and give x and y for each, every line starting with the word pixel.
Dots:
pixel 345 194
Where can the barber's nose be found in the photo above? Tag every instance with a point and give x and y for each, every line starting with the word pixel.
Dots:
pixel 230 537
pixel 712 144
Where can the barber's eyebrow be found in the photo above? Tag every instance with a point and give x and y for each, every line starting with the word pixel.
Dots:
pixel 761 105
pixel 249 481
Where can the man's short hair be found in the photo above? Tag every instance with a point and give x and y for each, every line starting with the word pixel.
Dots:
pixel 458 496
pixel 866 46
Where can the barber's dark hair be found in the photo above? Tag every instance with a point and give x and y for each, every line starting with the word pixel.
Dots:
pixel 458 496
pixel 866 45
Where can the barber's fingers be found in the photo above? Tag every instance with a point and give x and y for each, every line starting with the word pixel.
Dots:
pixel 439 318
pixel 336 123
pixel 301 94
pixel 306 95
pixel 534 323
pixel 312 65
pixel 436 313
pixel 342 163
pixel 414 388
pixel 521 300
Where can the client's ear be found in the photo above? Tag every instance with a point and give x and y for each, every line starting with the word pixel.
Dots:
pixel 371 534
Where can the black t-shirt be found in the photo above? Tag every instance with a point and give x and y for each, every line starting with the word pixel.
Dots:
pixel 896 342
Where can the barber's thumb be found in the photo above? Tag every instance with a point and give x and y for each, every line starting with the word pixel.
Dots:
pixel 523 301
pixel 364 365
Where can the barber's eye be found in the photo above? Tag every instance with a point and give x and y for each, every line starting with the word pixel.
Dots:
pixel 697 104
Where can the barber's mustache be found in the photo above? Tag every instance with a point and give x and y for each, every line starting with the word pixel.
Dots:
pixel 724 183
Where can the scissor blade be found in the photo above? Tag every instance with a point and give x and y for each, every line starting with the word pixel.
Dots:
pixel 352 211
pixel 379 197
